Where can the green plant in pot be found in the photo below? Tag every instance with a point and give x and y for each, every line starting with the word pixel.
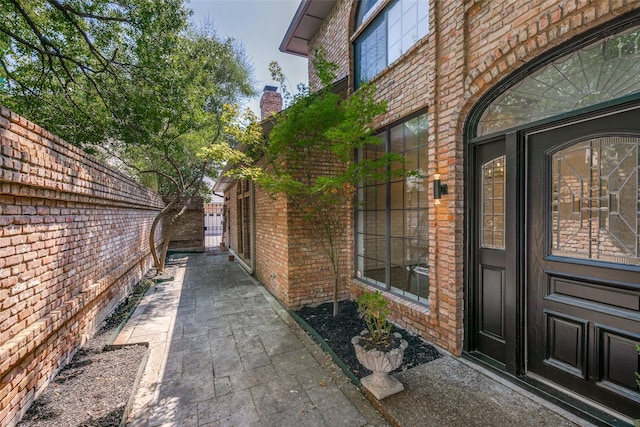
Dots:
pixel 377 349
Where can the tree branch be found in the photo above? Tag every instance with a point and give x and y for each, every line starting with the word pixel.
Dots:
pixel 71 9
pixel 101 59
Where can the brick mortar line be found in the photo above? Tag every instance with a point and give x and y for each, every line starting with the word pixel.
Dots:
pixel 32 338
pixel 140 200
pixel 60 147
pixel 80 198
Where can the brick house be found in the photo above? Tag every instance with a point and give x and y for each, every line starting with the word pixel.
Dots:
pixel 521 249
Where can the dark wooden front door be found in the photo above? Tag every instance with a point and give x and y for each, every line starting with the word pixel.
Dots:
pixel 494 307
pixel 583 258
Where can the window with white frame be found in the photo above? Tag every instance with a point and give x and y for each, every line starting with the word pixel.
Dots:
pixel 392 237
pixel 386 37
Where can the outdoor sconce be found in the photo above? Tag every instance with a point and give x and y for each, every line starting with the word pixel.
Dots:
pixel 438 189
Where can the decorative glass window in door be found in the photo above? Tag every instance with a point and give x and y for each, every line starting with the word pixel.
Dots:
pixel 492 204
pixel 595 206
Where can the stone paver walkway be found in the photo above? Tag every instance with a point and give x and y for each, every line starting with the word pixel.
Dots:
pixel 223 352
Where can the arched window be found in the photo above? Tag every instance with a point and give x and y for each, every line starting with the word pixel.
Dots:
pixel 365 10
pixel 603 71
pixel 386 37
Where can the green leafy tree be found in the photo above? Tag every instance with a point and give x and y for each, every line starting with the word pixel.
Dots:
pixel 66 63
pixel 321 128
pixel 182 115
pixel 127 80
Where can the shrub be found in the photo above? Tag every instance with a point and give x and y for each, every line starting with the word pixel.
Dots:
pixel 374 309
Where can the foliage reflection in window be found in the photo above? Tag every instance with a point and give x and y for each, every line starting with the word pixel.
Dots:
pixel 398 27
pixel 392 227
pixel 604 71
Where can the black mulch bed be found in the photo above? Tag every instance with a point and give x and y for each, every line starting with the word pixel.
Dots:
pixel 338 331
pixel 92 389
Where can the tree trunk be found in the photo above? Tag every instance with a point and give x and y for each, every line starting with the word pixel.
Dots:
pixel 335 295
pixel 165 244
pixel 152 241
pixel 335 266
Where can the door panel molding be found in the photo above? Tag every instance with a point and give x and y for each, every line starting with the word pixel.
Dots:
pixel 601 295
pixel 566 343
pixel 617 351
pixel 582 314
pixel 492 290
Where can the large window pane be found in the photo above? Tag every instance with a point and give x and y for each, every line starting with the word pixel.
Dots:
pixel 405 269
pixel 412 159
pixel 397 194
pixel 371 51
pixel 423 19
pixel 367 7
pixel 398 27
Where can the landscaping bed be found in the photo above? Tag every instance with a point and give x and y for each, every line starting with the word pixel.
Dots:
pixel 337 332
pixel 94 388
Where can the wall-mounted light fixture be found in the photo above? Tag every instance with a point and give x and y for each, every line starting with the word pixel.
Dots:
pixel 439 189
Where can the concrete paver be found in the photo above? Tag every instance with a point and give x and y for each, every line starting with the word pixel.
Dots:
pixel 223 352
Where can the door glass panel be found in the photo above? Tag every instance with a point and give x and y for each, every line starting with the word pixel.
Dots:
pixel 492 204
pixel 595 201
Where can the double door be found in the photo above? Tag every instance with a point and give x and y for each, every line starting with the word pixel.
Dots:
pixel 555 257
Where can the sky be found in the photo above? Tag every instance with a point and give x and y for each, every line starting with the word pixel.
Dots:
pixel 260 25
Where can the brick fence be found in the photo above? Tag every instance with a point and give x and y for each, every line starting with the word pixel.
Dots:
pixel 188 233
pixel 73 241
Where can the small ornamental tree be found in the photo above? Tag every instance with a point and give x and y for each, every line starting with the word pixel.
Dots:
pixel 320 128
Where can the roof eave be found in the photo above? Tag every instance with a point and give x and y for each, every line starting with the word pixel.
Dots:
pixel 304 25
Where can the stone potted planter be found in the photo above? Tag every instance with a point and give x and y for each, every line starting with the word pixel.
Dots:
pixel 376 348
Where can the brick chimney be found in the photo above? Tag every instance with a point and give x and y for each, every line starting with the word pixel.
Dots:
pixel 270 102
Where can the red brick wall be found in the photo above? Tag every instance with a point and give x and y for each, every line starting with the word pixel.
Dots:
pixel 272 244
pixel 310 272
pixel 73 240
pixel 188 233
pixel 471 47
pixel 287 259
pixel 333 37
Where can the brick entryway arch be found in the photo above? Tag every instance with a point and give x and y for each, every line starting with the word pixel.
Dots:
pixel 553 219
